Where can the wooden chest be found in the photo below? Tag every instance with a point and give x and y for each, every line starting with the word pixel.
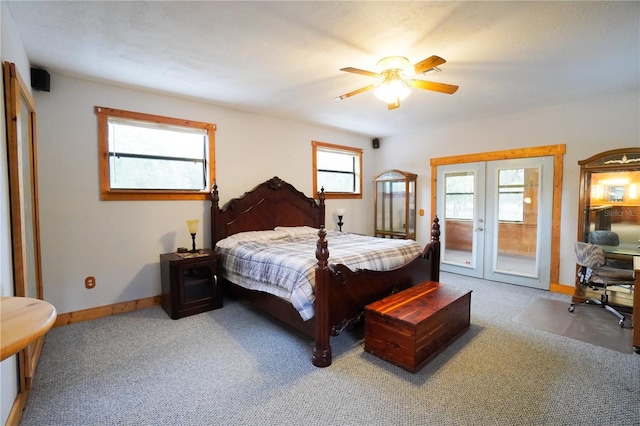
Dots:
pixel 411 327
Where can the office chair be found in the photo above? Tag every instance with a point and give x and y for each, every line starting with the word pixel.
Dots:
pixel 604 238
pixel 594 272
pixel 609 238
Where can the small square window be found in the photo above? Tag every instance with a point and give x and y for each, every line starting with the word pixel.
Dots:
pixel 337 169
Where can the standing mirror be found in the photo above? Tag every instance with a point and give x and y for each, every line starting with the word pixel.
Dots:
pixel 23 199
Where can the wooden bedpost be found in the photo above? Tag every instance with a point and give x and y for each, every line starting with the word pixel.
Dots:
pixel 435 249
pixel 215 208
pixel 321 197
pixel 322 348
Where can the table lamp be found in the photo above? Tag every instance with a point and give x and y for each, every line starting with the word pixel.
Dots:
pixel 340 213
pixel 192 225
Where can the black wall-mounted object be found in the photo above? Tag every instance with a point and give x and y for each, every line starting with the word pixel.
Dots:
pixel 40 79
pixel 375 143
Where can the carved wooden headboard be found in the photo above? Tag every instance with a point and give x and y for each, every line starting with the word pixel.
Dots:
pixel 270 204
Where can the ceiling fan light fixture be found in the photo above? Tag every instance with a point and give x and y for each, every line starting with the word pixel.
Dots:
pixel 394 75
pixel 395 72
pixel 399 64
pixel 392 90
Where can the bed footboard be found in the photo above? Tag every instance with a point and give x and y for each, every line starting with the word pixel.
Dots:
pixel 341 293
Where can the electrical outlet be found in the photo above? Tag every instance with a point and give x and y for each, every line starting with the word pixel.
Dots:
pixel 90 282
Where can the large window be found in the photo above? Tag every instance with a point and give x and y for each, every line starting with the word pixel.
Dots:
pixel 337 169
pixel 149 157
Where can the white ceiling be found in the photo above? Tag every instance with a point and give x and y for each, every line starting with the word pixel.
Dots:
pixel 283 58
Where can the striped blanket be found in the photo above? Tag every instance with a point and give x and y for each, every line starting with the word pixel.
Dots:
pixel 286 266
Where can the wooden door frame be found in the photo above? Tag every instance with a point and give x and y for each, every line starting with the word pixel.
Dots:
pixel 557 152
pixel 17 96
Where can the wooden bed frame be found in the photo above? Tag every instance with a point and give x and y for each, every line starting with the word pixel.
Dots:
pixel 340 293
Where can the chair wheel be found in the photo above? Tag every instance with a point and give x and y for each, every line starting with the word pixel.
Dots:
pixel 571 308
pixel 621 322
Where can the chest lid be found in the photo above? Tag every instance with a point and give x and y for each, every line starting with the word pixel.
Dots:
pixel 417 303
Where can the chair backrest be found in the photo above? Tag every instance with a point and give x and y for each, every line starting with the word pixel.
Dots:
pixel 589 255
pixel 605 238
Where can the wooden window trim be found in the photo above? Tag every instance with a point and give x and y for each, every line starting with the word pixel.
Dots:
pixel 108 194
pixel 337 195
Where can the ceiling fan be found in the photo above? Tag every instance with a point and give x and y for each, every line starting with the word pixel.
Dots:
pixel 395 74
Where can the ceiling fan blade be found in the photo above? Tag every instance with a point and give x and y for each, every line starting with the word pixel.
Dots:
pixel 359 71
pixel 355 92
pixel 436 87
pixel 430 62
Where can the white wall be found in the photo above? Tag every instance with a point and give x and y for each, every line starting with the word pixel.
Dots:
pixel 119 242
pixel 11 50
pixel 587 127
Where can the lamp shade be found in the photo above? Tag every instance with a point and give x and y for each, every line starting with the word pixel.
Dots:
pixel 340 212
pixel 192 224
pixel 392 90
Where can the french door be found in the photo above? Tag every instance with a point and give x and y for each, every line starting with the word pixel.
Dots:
pixel 495 219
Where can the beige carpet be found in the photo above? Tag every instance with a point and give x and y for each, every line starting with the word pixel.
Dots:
pixel 589 324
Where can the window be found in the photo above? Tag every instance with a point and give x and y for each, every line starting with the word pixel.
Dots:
pixel 337 169
pixel 149 157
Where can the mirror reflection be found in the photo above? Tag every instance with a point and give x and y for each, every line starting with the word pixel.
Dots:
pixel 614 210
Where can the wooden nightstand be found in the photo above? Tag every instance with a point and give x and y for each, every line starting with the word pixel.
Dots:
pixel 190 283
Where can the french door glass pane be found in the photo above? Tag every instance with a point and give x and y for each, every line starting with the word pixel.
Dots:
pixel 516 239
pixel 459 206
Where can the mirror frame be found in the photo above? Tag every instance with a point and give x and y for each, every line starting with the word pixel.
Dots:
pixel 616 160
pixel 23 200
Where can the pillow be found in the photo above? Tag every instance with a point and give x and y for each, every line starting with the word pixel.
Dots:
pixel 251 236
pixel 297 231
